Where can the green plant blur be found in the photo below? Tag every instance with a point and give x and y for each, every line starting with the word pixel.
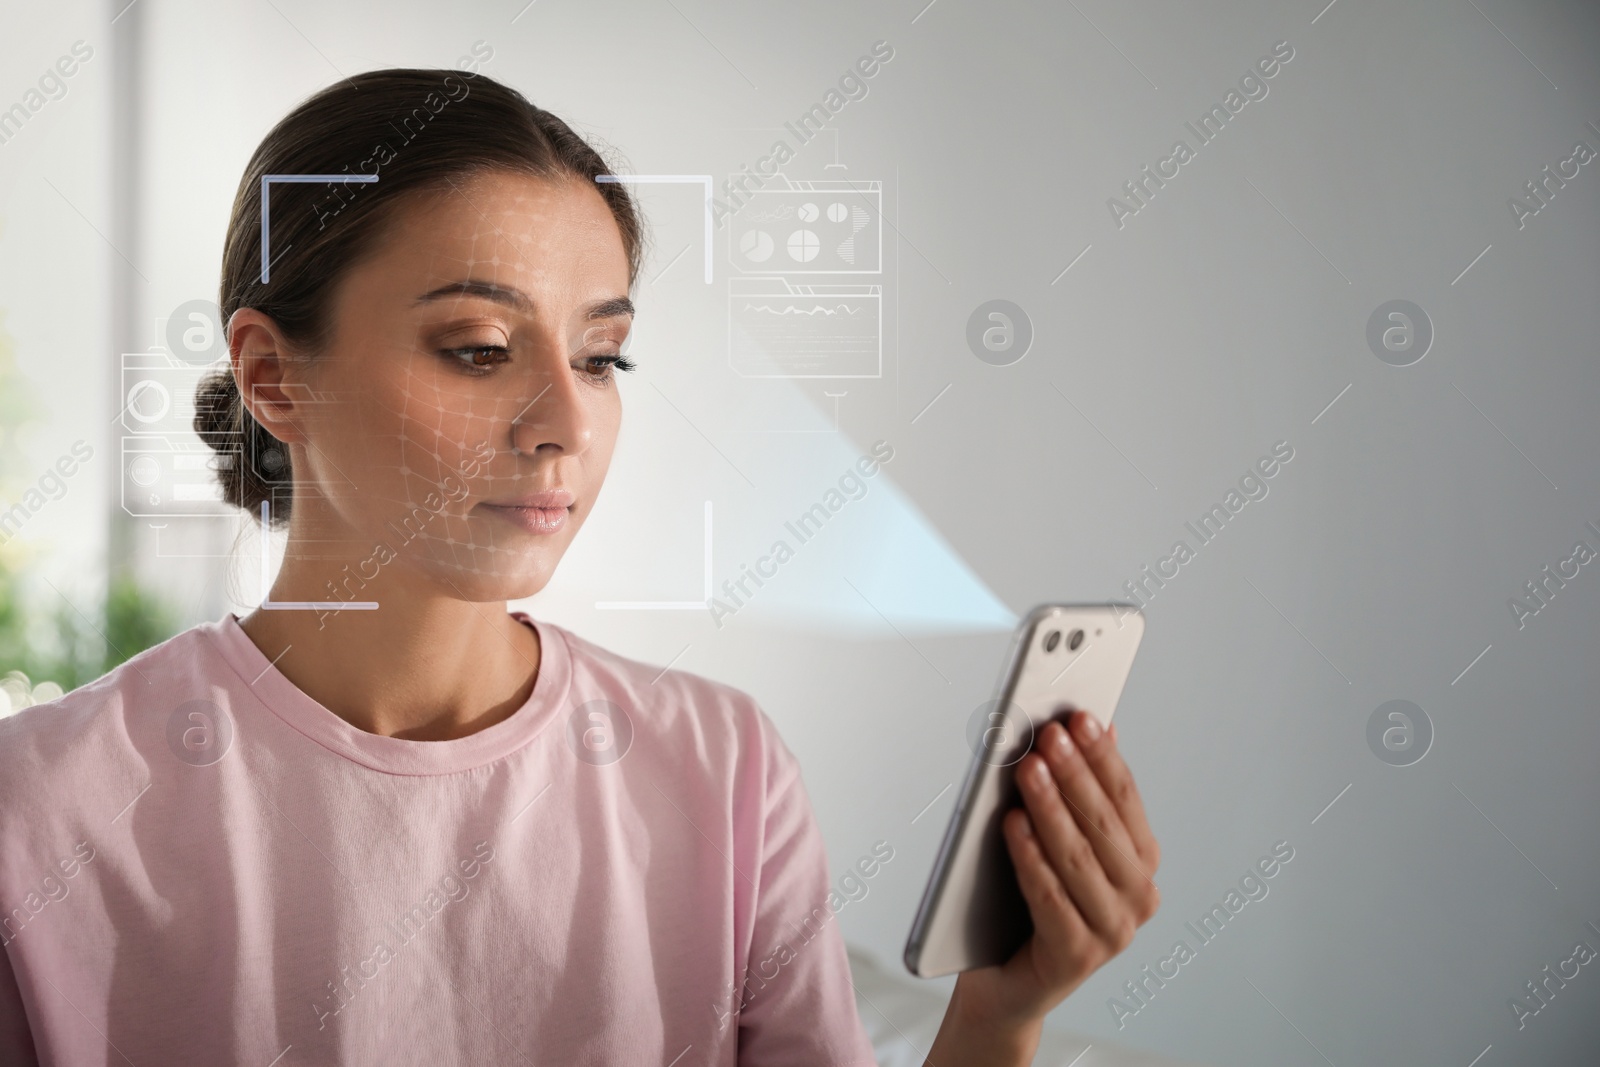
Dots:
pixel 69 648
pixel 41 633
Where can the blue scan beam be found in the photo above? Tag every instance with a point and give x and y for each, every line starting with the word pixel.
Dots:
pixel 878 561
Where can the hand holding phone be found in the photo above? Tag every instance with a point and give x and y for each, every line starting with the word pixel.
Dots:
pixel 1080 850
pixel 1065 659
pixel 1085 861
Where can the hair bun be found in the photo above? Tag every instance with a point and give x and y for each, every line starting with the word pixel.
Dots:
pixel 259 461
pixel 216 408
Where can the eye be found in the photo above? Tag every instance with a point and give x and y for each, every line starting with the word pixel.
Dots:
pixel 477 359
pixel 599 366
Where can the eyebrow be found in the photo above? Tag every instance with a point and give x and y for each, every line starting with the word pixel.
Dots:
pixel 515 298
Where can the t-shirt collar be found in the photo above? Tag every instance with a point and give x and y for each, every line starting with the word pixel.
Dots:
pixel 396 755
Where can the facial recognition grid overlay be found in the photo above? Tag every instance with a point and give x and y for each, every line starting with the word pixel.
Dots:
pixel 809 227
pixel 434 446
pixel 777 329
pixel 167 471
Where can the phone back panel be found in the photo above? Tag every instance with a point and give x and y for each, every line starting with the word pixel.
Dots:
pixel 973 913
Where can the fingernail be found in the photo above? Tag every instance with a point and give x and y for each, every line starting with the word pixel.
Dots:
pixel 1063 742
pixel 1091 726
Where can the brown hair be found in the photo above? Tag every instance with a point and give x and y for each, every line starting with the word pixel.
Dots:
pixel 419 130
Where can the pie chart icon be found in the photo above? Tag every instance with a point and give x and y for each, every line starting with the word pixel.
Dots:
pixel 756 245
pixel 803 246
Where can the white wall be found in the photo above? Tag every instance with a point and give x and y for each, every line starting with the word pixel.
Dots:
pixel 55 275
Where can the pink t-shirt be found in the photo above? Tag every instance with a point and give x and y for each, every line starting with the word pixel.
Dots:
pixel 201 864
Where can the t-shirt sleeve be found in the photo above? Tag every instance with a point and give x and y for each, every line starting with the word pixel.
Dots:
pixel 798 1007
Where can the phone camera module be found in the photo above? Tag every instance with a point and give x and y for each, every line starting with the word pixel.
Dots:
pixel 1051 640
pixel 1075 640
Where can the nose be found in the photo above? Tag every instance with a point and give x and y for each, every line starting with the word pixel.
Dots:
pixel 555 418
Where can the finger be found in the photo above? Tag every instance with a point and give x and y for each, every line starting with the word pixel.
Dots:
pixel 1097 816
pixel 1072 856
pixel 1097 749
pixel 1055 917
pixel 1116 780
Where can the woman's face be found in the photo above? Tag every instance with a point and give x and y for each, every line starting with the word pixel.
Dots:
pixel 469 368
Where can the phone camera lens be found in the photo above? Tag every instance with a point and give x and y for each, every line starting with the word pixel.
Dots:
pixel 1051 640
pixel 1075 640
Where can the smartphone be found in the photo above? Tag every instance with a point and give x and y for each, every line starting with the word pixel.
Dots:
pixel 1063 658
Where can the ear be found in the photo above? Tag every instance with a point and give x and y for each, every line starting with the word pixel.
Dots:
pixel 261 357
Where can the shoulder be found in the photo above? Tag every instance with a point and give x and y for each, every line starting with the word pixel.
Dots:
pixel 723 724
pixel 60 747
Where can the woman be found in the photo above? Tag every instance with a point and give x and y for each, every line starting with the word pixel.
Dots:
pixel 381 818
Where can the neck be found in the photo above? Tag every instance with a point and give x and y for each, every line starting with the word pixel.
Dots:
pixel 425 665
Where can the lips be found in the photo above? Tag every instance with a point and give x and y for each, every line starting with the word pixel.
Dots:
pixel 549 498
pixel 537 513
